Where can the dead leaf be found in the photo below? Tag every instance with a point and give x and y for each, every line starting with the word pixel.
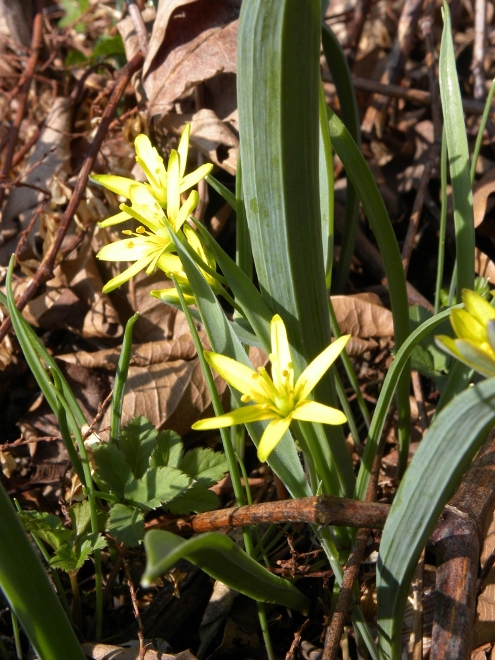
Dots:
pixel 484 628
pixel 482 192
pixel 192 41
pixel 483 265
pixel 363 318
pixel 111 652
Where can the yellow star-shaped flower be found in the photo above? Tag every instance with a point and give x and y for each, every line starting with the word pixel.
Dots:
pixel 278 398
pixel 159 179
pixel 475 330
pixel 150 246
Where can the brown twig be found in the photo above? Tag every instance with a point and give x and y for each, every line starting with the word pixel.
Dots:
pixel 361 11
pixel 318 510
pixel 426 25
pixel 135 608
pixel 45 269
pixel 36 43
pixel 411 95
pixel 457 538
pixel 139 26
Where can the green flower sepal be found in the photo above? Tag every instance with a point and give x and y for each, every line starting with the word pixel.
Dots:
pixel 474 327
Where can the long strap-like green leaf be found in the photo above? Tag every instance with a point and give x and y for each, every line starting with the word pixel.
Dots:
pixel 435 471
pixel 278 98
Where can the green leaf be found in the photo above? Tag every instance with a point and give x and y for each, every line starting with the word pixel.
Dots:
pixel 107 45
pixel 458 152
pixel 156 487
pixel 113 468
pixel 443 456
pixel 74 9
pixel 47 527
pixel 71 558
pixel 168 450
pixel 204 465
pixel 126 525
pixel 221 558
pixel 196 499
pixel 137 442
pixel 80 514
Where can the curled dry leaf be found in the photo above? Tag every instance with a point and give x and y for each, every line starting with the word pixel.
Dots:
pixel 192 41
pixel 363 317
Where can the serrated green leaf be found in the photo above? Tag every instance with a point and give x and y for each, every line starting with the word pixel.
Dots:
pixel 137 442
pixel 113 468
pixel 126 525
pixel 168 451
pixel 47 527
pixel 71 558
pixel 221 558
pixel 80 514
pixel 196 499
pixel 204 465
pixel 159 485
pixel 443 456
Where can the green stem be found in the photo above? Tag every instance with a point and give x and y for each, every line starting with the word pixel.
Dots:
pixel 121 379
pixel 443 223
pixel 76 598
pixel 17 637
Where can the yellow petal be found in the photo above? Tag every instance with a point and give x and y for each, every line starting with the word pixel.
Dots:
pixel 310 411
pixel 171 265
pixel 185 210
pixel 117 184
pixel 183 148
pixel 193 178
pixel 129 249
pixel 115 220
pixel 242 415
pixel 476 357
pixel 171 297
pixel 315 370
pixel 151 162
pixel 448 344
pixel 467 327
pixel 281 360
pixel 272 435
pixel 478 307
pixel 173 194
pixel 125 276
pixel 238 375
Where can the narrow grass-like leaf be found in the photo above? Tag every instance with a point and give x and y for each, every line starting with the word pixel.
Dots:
pixel 458 154
pixel 434 473
pixel 121 379
pixel 387 392
pixel 278 98
pixel 339 68
pixel 327 196
pixel 222 190
pixel 27 588
pixel 221 558
pixel 359 173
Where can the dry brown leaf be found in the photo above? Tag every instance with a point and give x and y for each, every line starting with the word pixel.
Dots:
pixel 192 41
pixel 482 192
pixel 484 626
pixel 210 135
pixel 483 265
pixel 362 318
pixel 110 652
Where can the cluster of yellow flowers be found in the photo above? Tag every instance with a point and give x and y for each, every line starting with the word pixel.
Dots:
pixel 156 205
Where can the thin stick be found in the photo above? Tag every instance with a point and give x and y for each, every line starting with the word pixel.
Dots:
pixel 139 26
pixel 45 269
pixel 319 510
pixel 479 49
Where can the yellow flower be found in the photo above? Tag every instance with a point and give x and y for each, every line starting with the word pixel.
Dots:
pixel 150 245
pixel 475 330
pixel 175 268
pixel 277 398
pixel 159 179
